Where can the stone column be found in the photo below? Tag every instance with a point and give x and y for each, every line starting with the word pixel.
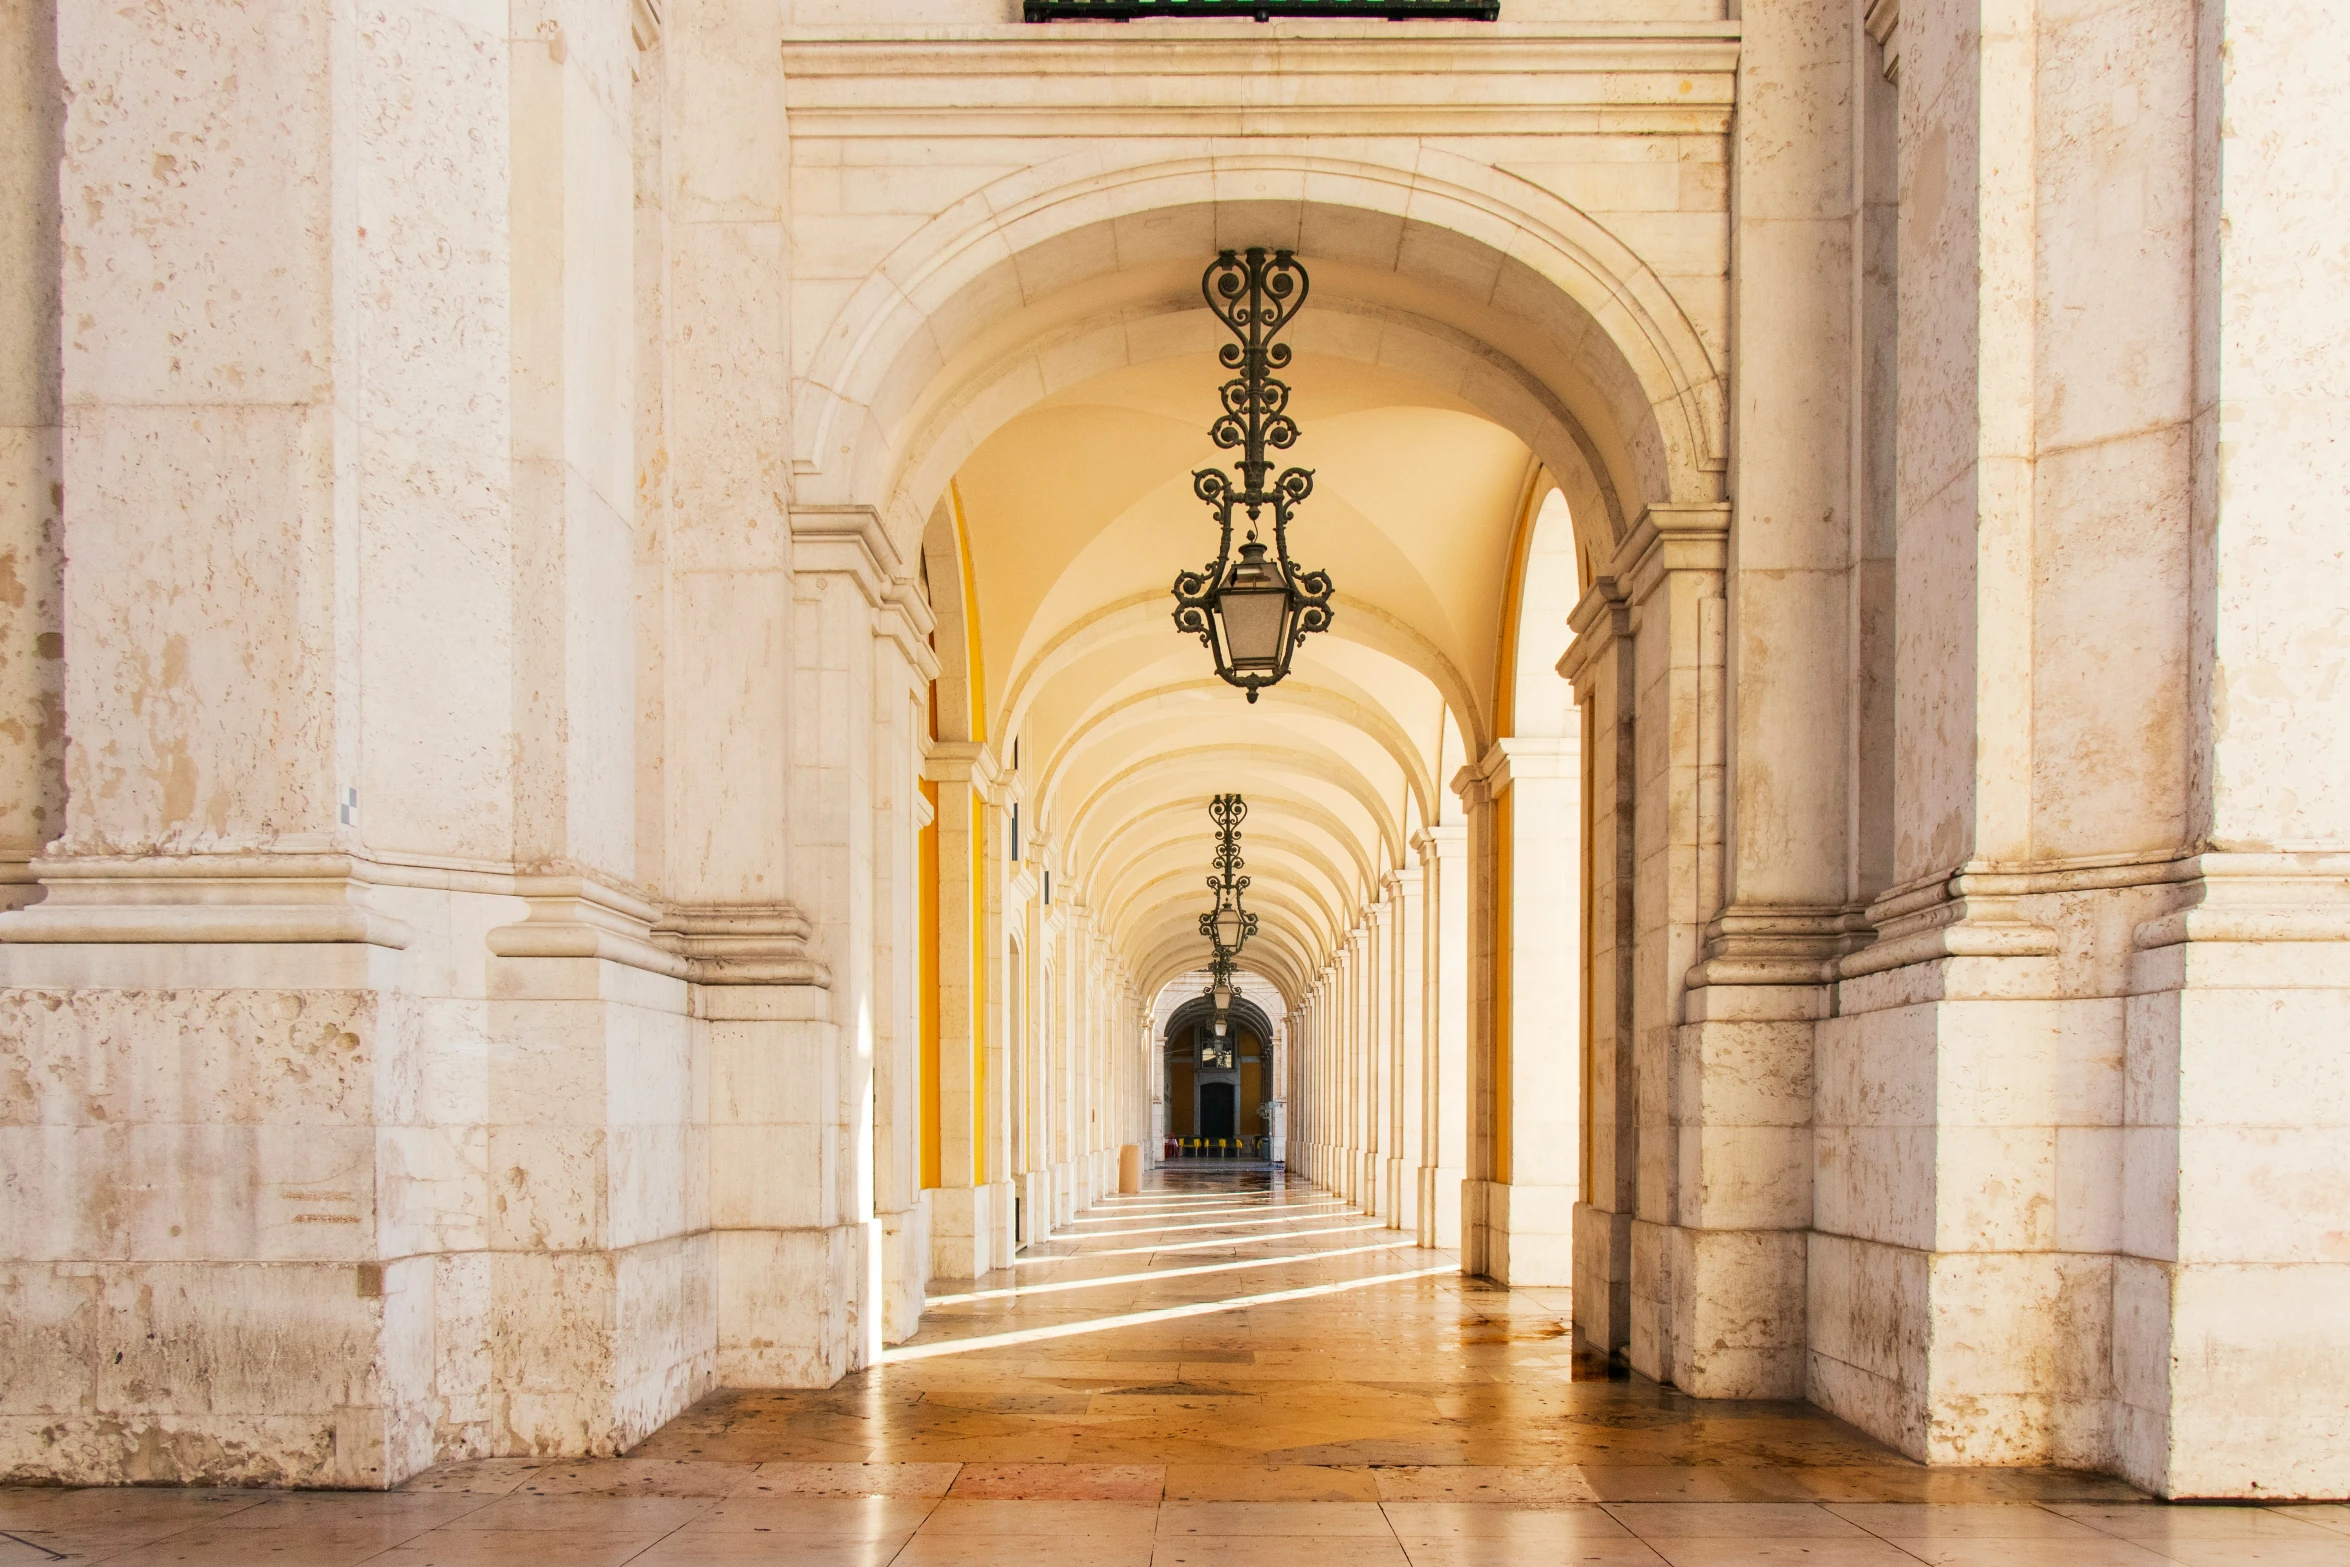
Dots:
pixel 1488 1024
pixel 963 1216
pixel 219 913
pixel 1535 1049
pixel 859 635
pixel 595 1063
pixel 2045 537
pixel 1709 1301
pixel 1599 661
pixel 1444 1058
pixel 2230 1345
pixel 1378 1045
pixel 32 667
pixel 1407 1091
pixel 904 666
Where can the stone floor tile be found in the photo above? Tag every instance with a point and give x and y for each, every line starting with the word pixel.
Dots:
pixel 2156 1521
pixel 1105 1520
pixel 815 1517
pixel 518 1548
pixel 1469 1551
pixel 108 1508
pixel 1689 1483
pixel 1918 1483
pixel 1030 1550
pixel 1484 1483
pixel 650 1515
pixel 760 1550
pixel 1715 1552
pixel 2267 1551
pixel 2105 1551
pixel 1272 1483
pixel 827 1479
pixel 2326 1515
pixel 1062 1482
pixel 1252 1520
pixel 1655 1521
pixel 320 1544
pixel 1277 1551
pixel 639 1477
pixel 489 1476
pixel 1503 1521
pixel 412 1510
pixel 1961 1521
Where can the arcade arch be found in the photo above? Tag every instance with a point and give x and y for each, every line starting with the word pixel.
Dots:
pixel 1046 437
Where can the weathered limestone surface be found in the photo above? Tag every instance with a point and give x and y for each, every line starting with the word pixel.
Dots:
pixel 552 862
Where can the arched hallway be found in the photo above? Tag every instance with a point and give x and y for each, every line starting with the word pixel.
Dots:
pixel 605 803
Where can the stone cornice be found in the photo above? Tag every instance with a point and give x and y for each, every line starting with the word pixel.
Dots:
pixel 1524 78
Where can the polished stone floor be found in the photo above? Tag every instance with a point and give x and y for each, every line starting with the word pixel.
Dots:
pixel 1227 1370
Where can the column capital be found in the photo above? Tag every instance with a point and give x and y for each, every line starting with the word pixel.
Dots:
pixel 1672 538
pixel 1599 620
pixel 1536 756
pixel 1434 843
pixel 964 762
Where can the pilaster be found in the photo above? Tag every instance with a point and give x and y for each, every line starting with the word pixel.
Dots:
pixel 1443 1066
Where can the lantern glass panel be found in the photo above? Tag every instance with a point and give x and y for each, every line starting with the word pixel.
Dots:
pixel 1252 625
pixel 1228 929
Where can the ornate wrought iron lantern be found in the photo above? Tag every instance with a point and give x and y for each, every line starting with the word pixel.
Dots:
pixel 1227 926
pixel 1253 610
pixel 1220 994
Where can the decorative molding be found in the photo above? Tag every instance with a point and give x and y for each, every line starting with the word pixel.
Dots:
pixel 1967 914
pixel 1509 78
pixel 742 944
pixel 2255 898
pixel 204 899
pixel 1778 946
pixel 1599 619
pixel 644 23
pixel 1670 538
pixel 848 540
pixel 964 762
pixel 578 917
pixel 1883 21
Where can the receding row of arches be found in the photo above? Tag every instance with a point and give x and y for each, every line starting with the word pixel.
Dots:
pixel 1475 434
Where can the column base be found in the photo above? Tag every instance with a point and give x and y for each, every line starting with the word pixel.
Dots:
pixel 787 1304
pixel 1603 1280
pixel 967 1225
pixel 1719 1313
pixel 1442 1200
pixel 1034 1218
pixel 1528 1236
pixel 905 1269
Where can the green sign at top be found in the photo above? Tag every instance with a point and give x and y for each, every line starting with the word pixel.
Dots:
pixel 1263 10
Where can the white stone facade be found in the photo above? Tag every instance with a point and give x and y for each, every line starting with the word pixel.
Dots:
pixel 594 787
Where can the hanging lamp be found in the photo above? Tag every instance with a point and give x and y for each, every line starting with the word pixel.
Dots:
pixel 1254 608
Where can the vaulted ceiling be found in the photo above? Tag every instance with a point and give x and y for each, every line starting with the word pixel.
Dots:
pixel 1075 516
